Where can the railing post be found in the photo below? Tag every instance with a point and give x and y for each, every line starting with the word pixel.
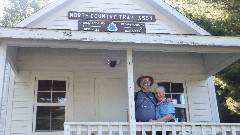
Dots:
pixel 67 130
pixel 89 129
pixel 153 129
pixel 233 130
pixel 79 129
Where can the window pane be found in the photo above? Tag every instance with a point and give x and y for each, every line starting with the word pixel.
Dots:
pixel 43 118
pixel 59 85
pixel 44 97
pixel 177 87
pixel 58 117
pixel 168 96
pixel 180 113
pixel 57 124
pixel 44 85
pixel 177 97
pixel 59 97
pixel 166 85
pixel 58 112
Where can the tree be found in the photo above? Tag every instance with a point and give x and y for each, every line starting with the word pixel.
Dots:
pixel 18 10
pixel 220 18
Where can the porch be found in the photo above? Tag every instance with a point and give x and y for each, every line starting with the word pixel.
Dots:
pixel 176 128
pixel 81 67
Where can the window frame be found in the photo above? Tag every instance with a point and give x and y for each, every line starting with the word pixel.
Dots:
pixel 158 80
pixel 69 97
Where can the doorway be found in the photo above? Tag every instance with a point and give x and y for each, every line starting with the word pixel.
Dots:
pixel 110 99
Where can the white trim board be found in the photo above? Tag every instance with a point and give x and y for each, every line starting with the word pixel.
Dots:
pixel 138 38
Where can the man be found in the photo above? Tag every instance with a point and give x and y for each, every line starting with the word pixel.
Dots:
pixel 145 100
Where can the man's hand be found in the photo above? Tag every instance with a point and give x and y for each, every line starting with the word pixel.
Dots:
pixel 169 100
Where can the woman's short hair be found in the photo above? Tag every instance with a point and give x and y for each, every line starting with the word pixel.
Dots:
pixel 162 88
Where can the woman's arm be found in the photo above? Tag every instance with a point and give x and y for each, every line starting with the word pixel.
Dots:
pixel 163 119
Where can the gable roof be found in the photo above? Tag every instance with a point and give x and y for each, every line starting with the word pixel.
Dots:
pixel 159 5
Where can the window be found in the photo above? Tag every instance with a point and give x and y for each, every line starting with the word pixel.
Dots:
pixel 175 91
pixel 50 105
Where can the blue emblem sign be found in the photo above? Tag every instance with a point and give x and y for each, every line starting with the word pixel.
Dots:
pixel 112 27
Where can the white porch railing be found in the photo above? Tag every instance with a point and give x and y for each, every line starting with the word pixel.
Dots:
pixel 120 128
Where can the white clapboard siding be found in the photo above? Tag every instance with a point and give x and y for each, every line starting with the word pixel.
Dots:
pixel 43 59
pixel 83 101
pixel 169 63
pixel 199 102
pixel 22 105
pixel 66 59
pixel 59 20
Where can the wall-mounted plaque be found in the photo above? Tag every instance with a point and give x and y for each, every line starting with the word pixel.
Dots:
pixel 104 26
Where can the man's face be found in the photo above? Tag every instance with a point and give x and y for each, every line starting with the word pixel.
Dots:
pixel 145 83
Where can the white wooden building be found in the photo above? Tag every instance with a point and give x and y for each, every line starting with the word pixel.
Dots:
pixel 54 69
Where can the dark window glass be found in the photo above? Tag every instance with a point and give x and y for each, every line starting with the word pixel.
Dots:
pixel 44 97
pixel 44 85
pixel 166 85
pixel 57 124
pixel 177 88
pixel 58 112
pixel 177 97
pixel 180 113
pixel 59 85
pixel 43 118
pixel 50 118
pixel 58 117
pixel 59 97
pixel 168 96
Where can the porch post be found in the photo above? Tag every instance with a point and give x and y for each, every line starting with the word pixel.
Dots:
pixel 3 53
pixel 131 103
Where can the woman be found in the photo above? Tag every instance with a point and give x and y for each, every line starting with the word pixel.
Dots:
pixel 165 110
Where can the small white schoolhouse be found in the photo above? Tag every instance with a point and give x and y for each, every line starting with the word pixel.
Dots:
pixel 71 69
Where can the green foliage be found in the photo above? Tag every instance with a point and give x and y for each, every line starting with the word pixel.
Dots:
pixel 18 10
pixel 220 18
pixel 227 88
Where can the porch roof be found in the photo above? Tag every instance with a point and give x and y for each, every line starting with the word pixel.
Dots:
pixel 107 40
pixel 217 51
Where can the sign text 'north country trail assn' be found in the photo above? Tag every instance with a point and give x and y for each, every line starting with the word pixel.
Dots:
pixel 113 22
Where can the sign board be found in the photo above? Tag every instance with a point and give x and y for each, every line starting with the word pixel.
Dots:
pixel 103 26
pixel 113 22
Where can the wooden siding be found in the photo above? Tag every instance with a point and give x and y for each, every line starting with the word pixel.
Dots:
pixel 201 107
pixel 22 105
pixel 59 20
pixel 43 59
